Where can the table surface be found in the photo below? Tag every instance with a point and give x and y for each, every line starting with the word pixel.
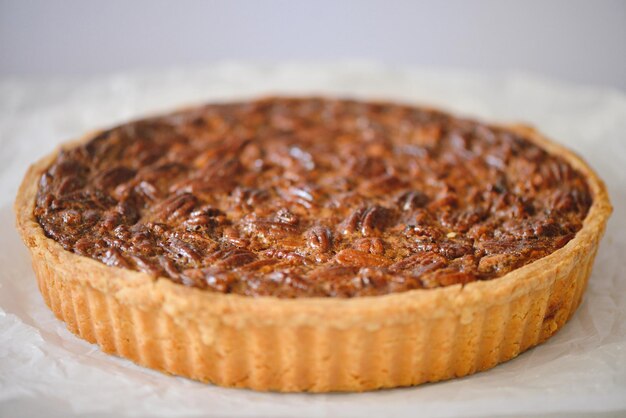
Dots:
pixel 44 370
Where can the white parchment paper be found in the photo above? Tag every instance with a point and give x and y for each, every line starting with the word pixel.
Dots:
pixel 46 371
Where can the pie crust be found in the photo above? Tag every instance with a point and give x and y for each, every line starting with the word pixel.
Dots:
pixel 316 344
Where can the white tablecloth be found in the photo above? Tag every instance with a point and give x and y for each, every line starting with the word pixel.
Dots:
pixel 46 371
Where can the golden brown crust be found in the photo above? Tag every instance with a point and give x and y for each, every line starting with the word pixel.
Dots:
pixel 315 344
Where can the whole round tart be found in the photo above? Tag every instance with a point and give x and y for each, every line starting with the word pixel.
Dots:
pixel 312 244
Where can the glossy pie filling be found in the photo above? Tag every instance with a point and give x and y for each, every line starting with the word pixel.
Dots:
pixel 312 197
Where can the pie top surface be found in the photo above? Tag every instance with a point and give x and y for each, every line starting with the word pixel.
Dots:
pixel 312 197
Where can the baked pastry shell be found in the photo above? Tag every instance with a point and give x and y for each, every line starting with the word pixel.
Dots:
pixel 315 344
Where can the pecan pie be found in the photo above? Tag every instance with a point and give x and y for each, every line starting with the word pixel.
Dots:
pixel 310 244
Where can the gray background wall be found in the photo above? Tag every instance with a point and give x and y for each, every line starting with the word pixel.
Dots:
pixel 573 40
